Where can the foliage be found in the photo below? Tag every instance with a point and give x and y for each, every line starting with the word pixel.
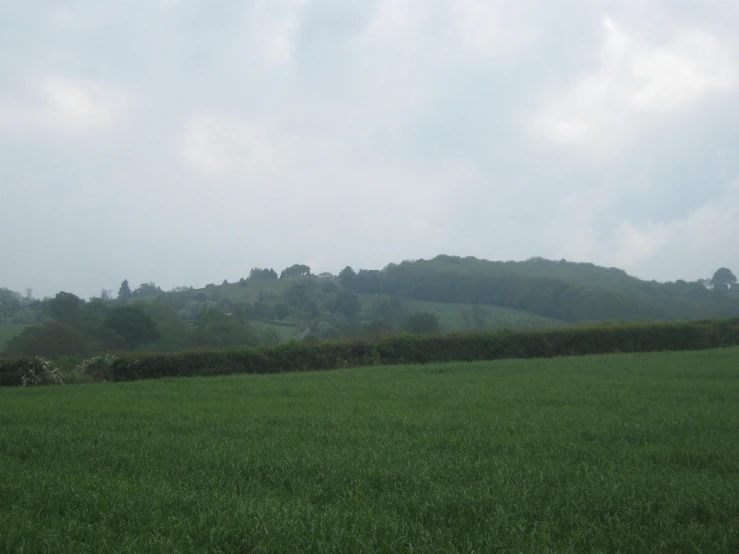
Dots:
pixel 124 292
pixel 404 349
pixel 572 292
pixel 10 302
pixel 146 289
pixel 422 322
pixel 64 307
pixel 25 372
pixel 297 270
pixel 259 273
pixel 133 324
pixel 49 341
pixel 723 279
pixel 99 368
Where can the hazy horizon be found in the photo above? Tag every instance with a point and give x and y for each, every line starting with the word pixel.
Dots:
pixel 187 141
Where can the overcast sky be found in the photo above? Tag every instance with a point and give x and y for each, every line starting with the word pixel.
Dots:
pixel 186 141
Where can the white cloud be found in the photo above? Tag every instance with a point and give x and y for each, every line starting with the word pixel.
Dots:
pixel 219 145
pixel 490 27
pixel 635 78
pixel 691 67
pixel 704 237
pixel 66 105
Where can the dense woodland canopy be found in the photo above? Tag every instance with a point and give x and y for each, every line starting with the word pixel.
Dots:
pixel 266 307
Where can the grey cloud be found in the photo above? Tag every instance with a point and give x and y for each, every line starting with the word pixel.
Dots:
pixel 190 140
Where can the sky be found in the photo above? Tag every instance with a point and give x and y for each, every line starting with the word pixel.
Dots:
pixel 187 141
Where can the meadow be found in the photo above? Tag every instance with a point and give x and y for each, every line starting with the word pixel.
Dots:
pixel 450 314
pixel 612 453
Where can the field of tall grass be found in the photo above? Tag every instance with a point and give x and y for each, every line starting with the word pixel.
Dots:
pixel 614 453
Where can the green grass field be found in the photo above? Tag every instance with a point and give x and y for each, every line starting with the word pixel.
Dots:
pixel 286 332
pixel 8 331
pixel 619 453
pixel 450 314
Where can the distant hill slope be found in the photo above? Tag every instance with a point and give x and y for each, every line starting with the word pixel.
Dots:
pixel 454 316
pixel 574 292
pixel 533 293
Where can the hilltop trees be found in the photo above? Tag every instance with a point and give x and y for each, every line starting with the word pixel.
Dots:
pixel 64 307
pixel 723 279
pixel 146 289
pixel 10 302
pixel 259 273
pixel 124 292
pixel 296 270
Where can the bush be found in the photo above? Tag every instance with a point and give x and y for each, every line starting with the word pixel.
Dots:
pixel 26 372
pixel 407 349
pixel 98 368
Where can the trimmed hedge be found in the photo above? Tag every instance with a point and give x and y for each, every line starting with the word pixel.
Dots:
pixel 417 349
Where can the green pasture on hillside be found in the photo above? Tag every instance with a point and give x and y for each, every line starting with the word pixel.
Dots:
pixel 286 332
pixel 450 314
pixel 9 331
pixel 617 453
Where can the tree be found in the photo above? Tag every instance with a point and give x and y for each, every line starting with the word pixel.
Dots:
pixel 124 292
pixel 133 324
pixel 49 340
pixel 345 303
pixel 147 289
pixel 423 322
pixel 64 306
pixel 723 279
pixel 296 270
pixel 347 278
pixel 259 273
pixel 10 302
pixel 280 311
pixel 389 310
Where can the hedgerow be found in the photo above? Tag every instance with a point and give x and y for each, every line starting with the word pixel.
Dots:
pixel 408 349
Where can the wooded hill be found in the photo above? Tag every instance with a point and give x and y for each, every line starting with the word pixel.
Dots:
pixel 573 292
pixel 447 293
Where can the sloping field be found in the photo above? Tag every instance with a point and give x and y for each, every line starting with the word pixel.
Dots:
pixel 619 453
pixel 450 314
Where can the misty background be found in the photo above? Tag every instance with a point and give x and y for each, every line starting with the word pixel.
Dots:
pixel 185 142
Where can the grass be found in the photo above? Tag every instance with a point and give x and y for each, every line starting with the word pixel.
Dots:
pixel 450 314
pixel 286 332
pixel 9 331
pixel 620 453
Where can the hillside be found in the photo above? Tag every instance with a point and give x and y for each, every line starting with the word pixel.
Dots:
pixel 445 294
pixel 573 292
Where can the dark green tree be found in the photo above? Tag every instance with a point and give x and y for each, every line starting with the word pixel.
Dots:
pixel 348 278
pixel 10 302
pixel 147 289
pixel 423 323
pixel 64 306
pixel 133 324
pixel 50 340
pixel 723 279
pixel 124 292
pixel 344 303
pixel 259 273
pixel 297 270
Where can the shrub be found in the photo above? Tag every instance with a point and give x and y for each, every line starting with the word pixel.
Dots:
pixel 404 349
pixel 26 372
pixel 98 368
